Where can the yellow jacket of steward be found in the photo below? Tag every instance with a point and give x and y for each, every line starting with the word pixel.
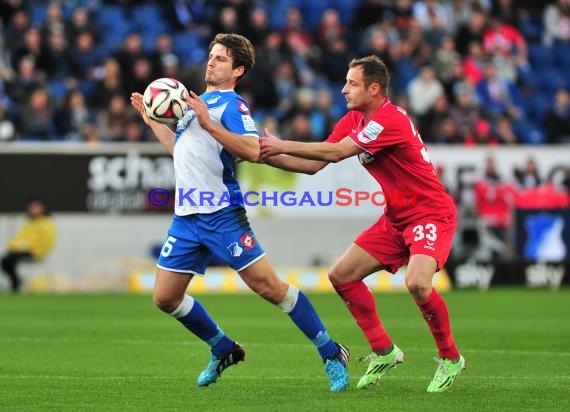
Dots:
pixel 37 237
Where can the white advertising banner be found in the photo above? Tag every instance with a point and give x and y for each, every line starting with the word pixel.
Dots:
pixel 346 190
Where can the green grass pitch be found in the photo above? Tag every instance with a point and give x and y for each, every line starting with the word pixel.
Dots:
pixel 117 352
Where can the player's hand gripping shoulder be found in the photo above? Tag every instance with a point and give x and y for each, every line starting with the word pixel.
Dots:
pixel 270 145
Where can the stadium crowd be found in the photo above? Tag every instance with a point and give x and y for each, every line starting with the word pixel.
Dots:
pixel 470 72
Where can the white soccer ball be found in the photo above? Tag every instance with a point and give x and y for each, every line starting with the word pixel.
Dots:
pixel 164 100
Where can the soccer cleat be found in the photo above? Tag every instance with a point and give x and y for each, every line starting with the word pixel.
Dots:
pixel 217 365
pixel 445 375
pixel 379 365
pixel 336 369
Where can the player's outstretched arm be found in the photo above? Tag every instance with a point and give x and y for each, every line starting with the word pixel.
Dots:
pixel 327 152
pixel 286 162
pixel 163 133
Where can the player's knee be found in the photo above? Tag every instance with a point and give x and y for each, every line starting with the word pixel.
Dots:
pixel 418 287
pixel 271 290
pixel 165 303
pixel 338 276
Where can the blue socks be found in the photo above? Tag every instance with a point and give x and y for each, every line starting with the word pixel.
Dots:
pixel 301 311
pixel 194 317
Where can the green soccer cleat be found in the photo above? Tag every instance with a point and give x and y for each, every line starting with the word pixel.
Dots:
pixel 379 365
pixel 445 375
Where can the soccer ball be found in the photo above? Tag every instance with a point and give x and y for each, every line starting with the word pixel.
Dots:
pixel 164 100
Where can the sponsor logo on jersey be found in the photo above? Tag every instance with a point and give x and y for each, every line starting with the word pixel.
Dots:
pixel 370 132
pixel 248 123
pixel 243 107
pixel 365 158
pixel 213 99
pixel 235 249
pixel 247 241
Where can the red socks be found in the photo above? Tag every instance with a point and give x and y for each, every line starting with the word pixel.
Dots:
pixel 360 302
pixel 435 313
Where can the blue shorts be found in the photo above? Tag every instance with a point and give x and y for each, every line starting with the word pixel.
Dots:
pixel 192 240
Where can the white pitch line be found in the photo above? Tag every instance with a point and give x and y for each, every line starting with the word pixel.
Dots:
pixel 513 352
pixel 126 378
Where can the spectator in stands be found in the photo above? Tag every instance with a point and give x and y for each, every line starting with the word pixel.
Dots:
pixel 31 47
pixel 330 29
pixel 71 115
pixel 491 175
pixel 140 75
pixel 109 82
pixel 86 56
pixel 507 43
pixel 20 87
pixel 556 22
pixel 323 115
pixel 286 83
pixel 506 11
pixel 433 19
pixel 482 134
pixel 465 113
pixel 163 49
pixel 474 63
pixel 447 132
pixel 299 127
pixel 36 120
pixel 470 32
pixel 504 130
pixel 446 57
pixel 33 242
pixel 134 130
pixel 17 26
pixel 258 28
pixel 59 63
pixel 112 120
pixel 557 118
pixel 528 177
pixel 53 20
pixel 429 123
pixel 81 22
pixel 131 49
pixel 423 91
pixel 376 41
pixel 498 96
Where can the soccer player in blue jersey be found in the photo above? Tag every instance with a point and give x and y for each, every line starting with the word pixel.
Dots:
pixel 216 130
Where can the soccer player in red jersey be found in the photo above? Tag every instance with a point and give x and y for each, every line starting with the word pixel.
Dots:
pixel 414 230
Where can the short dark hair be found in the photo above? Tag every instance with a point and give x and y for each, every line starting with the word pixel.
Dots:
pixel 374 71
pixel 240 48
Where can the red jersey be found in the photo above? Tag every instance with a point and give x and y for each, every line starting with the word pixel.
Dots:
pixel 395 155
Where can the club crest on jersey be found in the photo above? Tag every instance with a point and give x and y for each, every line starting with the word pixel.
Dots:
pixel 243 107
pixel 213 99
pixel 235 249
pixel 247 241
pixel 370 132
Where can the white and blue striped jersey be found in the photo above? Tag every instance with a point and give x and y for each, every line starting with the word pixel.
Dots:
pixel 202 167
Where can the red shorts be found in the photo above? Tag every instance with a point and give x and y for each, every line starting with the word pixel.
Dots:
pixel 393 247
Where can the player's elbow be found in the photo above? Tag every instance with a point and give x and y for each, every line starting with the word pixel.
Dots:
pixel 251 155
pixel 336 156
